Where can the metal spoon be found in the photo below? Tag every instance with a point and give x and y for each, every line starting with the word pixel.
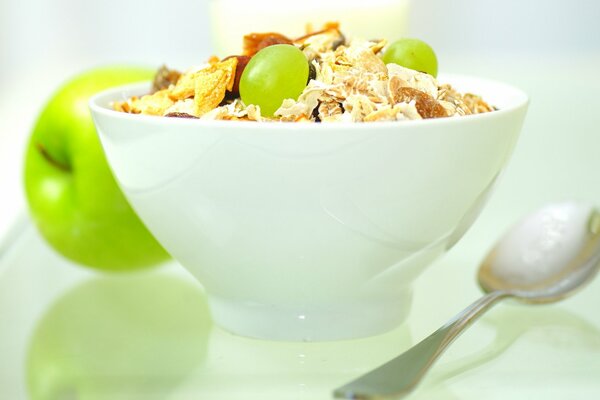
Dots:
pixel 546 257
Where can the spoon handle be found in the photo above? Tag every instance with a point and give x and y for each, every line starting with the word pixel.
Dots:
pixel 400 375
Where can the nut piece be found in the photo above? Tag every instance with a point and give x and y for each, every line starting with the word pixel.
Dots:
pixel 255 42
pixel 427 106
pixel 476 104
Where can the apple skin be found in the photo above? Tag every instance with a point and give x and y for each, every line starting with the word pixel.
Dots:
pixel 72 194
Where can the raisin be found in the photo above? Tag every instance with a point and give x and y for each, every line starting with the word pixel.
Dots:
pixel 312 72
pixel 180 115
pixel 164 78
pixel 241 65
pixel 315 112
pixel 427 106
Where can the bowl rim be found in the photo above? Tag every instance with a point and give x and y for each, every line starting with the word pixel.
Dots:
pixel 98 106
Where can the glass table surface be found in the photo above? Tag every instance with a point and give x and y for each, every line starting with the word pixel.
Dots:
pixel 71 333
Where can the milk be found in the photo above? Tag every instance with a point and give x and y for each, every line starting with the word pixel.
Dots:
pixel 370 19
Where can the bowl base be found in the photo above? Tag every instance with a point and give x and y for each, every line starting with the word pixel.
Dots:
pixel 314 323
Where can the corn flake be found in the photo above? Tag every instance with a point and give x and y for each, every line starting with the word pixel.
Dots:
pixel 151 104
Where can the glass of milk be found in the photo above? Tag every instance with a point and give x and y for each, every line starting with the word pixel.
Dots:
pixel 369 19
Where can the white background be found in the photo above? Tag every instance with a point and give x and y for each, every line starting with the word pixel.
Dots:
pixel 550 48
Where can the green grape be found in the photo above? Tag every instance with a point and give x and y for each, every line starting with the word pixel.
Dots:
pixel 414 54
pixel 274 74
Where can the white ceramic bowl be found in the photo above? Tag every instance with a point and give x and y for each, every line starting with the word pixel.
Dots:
pixel 309 231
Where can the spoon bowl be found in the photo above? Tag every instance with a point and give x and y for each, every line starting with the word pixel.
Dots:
pixel 546 257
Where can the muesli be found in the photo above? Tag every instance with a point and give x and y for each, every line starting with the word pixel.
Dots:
pixel 346 80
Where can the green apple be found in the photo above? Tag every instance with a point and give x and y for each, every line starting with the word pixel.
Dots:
pixel 115 337
pixel 72 194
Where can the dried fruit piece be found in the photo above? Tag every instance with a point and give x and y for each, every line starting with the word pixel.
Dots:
pixel 164 78
pixel 312 72
pixel 180 115
pixel 315 44
pixel 242 61
pixel 328 28
pixel 255 42
pixel 415 79
pixel 427 106
pixel 315 113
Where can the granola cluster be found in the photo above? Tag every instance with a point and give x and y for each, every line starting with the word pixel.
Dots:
pixel 348 82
